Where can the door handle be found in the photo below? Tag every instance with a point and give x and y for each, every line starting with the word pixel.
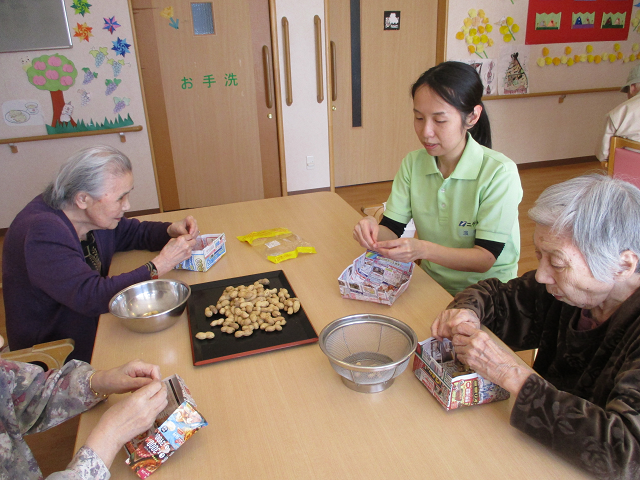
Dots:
pixel 268 81
pixel 334 72
pixel 317 23
pixel 287 61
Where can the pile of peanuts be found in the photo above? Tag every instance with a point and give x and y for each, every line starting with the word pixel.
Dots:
pixel 249 308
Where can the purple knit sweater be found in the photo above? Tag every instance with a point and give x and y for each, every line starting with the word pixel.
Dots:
pixel 50 292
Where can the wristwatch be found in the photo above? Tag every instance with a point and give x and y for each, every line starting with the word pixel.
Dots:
pixel 153 271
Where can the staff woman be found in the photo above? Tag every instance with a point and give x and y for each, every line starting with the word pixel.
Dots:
pixel 58 250
pixel 462 196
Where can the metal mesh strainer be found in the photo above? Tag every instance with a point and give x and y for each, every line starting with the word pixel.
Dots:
pixel 368 350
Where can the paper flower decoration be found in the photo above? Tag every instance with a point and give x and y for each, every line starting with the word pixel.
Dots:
pixel 110 24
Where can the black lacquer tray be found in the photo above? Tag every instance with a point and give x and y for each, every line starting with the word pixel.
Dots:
pixel 297 331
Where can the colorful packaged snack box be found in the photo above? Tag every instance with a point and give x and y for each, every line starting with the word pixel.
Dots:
pixel 173 426
pixel 208 250
pixel 451 383
pixel 374 278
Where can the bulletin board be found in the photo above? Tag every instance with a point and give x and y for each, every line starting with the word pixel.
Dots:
pixel 94 85
pixel 540 46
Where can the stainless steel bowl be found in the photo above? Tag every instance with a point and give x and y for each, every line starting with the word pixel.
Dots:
pixel 150 306
pixel 368 350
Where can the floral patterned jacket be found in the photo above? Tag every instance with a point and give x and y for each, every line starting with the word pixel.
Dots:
pixel 31 401
pixel 586 406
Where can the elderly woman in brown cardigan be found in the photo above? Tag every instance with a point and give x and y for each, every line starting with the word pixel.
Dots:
pixel 581 310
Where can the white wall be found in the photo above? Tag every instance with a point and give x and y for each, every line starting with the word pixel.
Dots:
pixel 24 174
pixel 539 128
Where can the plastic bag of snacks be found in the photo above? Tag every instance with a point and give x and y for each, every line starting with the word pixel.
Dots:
pixel 173 426
pixel 277 244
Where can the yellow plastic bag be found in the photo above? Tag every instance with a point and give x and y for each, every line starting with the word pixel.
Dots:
pixel 277 244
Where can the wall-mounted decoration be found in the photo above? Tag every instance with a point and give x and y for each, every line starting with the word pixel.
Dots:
pixel 486 68
pixel 604 20
pixel 548 21
pixel 635 21
pixel 88 76
pixel 112 85
pixel 613 20
pixel 100 55
pixel 230 80
pixel 508 29
pixel 81 7
pixel 121 47
pixel 116 65
pixel 168 14
pixel 475 32
pixel 392 20
pixel 83 32
pixel 22 113
pixel 55 73
pixel 120 103
pixel 583 20
pixel 513 71
pixel 85 97
pixel 111 24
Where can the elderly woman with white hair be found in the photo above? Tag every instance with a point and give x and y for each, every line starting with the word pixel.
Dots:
pixel 581 310
pixel 58 250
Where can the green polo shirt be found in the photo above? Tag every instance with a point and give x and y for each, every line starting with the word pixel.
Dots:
pixel 479 200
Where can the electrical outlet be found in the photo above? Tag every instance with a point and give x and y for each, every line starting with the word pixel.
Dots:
pixel 311 163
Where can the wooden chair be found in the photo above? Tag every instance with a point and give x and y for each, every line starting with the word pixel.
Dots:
pixel 375 211
pixel 623 163
pixel 52 354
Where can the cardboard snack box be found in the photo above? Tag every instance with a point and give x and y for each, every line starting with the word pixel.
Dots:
pixel 435 367
pixel 173 426
pixel 374 278
pixel 208 250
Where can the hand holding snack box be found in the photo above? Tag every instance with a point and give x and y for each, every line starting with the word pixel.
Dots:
pixel 207 251
pixel 374 278
pixel 173 426
pixel 453 384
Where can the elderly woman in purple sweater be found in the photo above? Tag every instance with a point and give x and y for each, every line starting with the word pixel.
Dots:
pixel 58 250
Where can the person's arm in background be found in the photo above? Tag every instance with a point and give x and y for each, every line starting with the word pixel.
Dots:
pixel 602 149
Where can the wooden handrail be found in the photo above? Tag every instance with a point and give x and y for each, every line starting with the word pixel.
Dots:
pixel 561 93
pixel 120 131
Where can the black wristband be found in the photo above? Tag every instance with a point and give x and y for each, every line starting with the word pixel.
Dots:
pixel 153 271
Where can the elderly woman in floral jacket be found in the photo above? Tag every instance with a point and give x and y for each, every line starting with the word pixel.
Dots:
pixel 581 309
pixel 32 400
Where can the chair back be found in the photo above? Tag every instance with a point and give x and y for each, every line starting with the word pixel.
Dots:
pixel 623 163
pixel 52 354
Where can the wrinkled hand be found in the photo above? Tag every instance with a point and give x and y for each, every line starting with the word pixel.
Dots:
pixel 126 419
pixel 366 232
pixel 175 251
pixel 186 226
pixel 401 249
pixel 126 378
pixel 476 348
pixel 447 320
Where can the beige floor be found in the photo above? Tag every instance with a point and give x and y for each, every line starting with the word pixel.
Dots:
pixel 54 449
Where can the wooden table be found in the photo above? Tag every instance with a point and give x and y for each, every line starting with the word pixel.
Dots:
pixel 287 414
